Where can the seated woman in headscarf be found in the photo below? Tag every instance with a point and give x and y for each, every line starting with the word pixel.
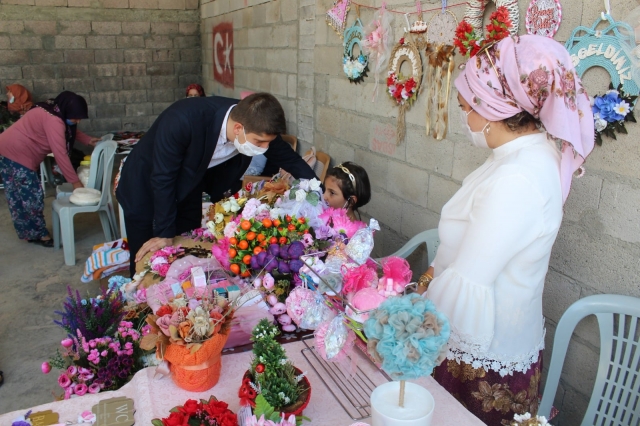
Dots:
pixel 17 104
pixel 49 127
pixel 521 98
pixel 18 99
pixel 194 91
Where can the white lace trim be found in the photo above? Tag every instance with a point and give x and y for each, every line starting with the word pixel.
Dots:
pixel 474 351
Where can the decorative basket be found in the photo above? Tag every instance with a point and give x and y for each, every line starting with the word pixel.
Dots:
pixel 198 371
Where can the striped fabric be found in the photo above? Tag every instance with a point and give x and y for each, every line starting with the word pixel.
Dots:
pixel 105 259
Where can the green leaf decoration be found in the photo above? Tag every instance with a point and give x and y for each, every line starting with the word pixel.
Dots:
pixel 156 422
pixel 300 419
pixel 631 117
pixel 313 198
pixel 263 408
pixel 175 409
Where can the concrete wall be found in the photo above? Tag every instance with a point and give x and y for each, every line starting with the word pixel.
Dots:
pixel 128 58
pixel 286 47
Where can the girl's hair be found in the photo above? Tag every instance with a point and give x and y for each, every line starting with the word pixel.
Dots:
pixel 362 189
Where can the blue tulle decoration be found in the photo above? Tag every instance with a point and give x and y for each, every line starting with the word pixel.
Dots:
pixel 408 335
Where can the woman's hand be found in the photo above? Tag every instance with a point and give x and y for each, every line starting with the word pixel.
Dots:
pixel 77 185
pixel 153 245
pixel 93 141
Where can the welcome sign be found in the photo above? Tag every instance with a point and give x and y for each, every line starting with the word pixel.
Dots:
pixel 608 48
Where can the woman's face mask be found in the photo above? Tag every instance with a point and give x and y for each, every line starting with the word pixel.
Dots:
pixel 478 139
pixel 10 98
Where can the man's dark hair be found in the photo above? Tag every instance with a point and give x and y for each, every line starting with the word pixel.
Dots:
pixel 260 113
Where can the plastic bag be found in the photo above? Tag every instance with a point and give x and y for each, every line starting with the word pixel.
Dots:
pixel 316 314
pixel 360 246
pixel 334 281
pixel 336 337
pixel 83 174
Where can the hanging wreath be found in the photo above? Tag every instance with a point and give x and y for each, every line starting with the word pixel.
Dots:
pixel 475 13
pixel 404 89
pixel 355 68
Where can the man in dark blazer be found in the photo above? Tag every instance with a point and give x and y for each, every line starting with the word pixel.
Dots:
pixel 197 145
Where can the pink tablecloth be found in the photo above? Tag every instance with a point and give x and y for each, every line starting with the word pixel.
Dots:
pixel 155 397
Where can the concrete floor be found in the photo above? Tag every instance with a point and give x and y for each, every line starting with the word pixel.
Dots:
pixel 33 284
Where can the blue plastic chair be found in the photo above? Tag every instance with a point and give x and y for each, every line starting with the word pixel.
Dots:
pixel 64 210
pixel 429 237
pixel 616 394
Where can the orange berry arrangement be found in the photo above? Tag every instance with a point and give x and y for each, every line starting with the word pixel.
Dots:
pixel 249 247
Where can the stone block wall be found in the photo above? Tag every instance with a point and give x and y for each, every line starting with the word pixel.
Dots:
pixel 130 59
pixel 286 47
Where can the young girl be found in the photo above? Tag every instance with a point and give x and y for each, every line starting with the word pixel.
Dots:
pixel 347 187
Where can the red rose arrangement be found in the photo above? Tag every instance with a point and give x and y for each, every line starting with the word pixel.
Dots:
pixel 199 413
pixel 400 90
pixel 469 43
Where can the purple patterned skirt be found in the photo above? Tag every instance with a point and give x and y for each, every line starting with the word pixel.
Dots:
pixel 489 396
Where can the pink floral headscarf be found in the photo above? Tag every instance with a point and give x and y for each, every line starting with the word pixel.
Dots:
pixel 536 75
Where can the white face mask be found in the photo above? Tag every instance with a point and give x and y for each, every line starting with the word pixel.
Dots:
pixel 478 139
pixel 12 99
pixel 247 148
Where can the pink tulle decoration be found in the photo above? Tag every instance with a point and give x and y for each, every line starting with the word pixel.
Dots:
pixel 320 334
pixel 364 300
pixel 377 44
pixel 397 269
pixel 220 251
pixel 359 278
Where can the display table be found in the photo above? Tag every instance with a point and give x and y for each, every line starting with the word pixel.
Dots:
pixel 155 397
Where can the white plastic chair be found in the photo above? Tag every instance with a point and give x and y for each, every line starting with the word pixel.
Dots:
pixel 615 400
pixel 64 210
pixel 429 237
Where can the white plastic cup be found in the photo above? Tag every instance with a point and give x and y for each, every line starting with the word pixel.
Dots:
pixel 386 411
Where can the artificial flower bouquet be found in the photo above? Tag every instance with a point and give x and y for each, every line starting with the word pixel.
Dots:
pixel 263 414
pixel 611 111
pixel 355 69
pixel 469 43
pixel 199 413
pixel 527 419
pixel 160 261
pixel 102 349
pixel 189 333
pixel 400 89
pixel 92 317
pixel 97 364
pixel 273 377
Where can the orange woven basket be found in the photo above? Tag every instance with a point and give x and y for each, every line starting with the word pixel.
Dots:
pixel 198 371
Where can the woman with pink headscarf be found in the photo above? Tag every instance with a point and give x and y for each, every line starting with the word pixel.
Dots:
pixel 522 99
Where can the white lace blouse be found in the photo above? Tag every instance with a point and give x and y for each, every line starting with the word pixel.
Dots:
pixel 496 235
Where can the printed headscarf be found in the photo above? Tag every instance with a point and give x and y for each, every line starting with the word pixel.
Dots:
pixel 67 106
pixel 535 74
pixel 22 99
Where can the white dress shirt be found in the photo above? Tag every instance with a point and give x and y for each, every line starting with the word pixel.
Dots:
pixel 496 235
pixel 225 149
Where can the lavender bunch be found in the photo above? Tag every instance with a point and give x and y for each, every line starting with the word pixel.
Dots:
pixel 94 318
